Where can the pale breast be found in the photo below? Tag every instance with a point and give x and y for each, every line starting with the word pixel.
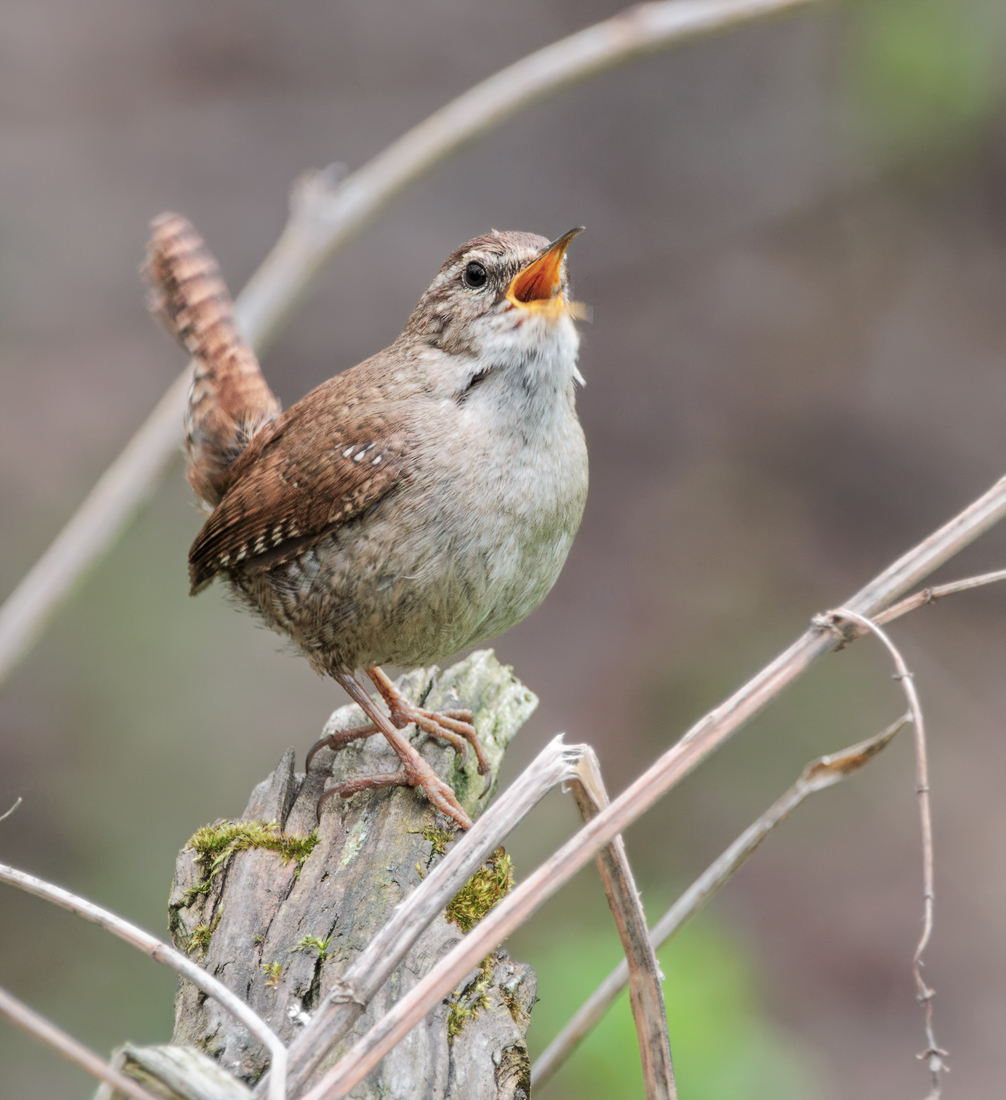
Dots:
pixel 466 546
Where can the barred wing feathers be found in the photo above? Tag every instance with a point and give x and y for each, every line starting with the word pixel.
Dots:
pixel 319 465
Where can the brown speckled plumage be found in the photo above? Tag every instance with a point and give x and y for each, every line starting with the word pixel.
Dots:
pixel 422 501
pixel 230 401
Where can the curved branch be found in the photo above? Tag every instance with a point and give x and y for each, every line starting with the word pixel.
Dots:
pixel 322 218
pixel 162 953
pixel 934 1056
pixel 7 813
pixel 93 528
pixel 47 1032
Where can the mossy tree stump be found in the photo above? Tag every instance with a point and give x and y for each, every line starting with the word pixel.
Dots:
pixel 278 904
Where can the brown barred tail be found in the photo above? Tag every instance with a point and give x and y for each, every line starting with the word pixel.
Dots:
pixel 229 400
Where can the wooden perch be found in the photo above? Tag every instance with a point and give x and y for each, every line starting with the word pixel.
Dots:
pixel 279 904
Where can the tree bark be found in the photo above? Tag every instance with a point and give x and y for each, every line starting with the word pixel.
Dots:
pixel 280 903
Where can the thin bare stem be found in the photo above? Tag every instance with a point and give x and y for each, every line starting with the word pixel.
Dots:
pixel 641 966
pixel 933 1055
pixel 707 735
pixel 557 763
pixel 937 592
pixel 47 1032
pixel 93 528
pixel 824 772
pixel 17 802
pixel 323 216
pixel 165 954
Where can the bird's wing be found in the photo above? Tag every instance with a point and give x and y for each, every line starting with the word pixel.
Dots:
pixel 320 464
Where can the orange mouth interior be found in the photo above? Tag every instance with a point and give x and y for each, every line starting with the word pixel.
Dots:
pixel 539 285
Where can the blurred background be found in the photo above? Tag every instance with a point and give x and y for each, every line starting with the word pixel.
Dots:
pixel 796 255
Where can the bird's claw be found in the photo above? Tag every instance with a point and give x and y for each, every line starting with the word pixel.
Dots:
pixel 453 726
pixel 339 740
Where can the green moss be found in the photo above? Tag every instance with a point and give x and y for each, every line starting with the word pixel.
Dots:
pixel 201 936
pixel 482 891
pixel 513 1006
pixel 213 844
pixel 439 838
pixel 471 1000
pixel 273 972
pixel 194 892
pixel 312 943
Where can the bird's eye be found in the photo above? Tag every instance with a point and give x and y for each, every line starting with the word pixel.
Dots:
pixel 475 275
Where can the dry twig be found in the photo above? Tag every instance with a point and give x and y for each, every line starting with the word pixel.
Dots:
pixel 323 216
pixel 824 772
pixel 937 592
pixel 17 802
pixel 933 1055
pixel 641 966
pixel 698 743
pixel 162 953
pixel 47 1032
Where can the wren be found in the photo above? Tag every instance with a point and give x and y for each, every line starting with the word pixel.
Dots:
pixel 419 503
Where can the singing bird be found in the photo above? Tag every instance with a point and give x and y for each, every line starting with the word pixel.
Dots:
pixel 421 502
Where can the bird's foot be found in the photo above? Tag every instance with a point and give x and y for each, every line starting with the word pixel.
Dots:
pixel 453 726
pixel 339 740
pixel 415 771
pixel 437 791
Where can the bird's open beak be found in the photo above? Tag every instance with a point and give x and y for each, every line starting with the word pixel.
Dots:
pixel 539 285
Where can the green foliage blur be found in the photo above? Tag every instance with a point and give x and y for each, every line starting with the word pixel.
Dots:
pixel 925 75
pixel 723 1045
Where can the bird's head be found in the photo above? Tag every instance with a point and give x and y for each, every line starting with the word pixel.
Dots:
pixel 502 300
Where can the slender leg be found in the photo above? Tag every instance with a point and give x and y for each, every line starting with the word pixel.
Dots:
pixel 448 725
pixel 341 738
pixel 415 771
